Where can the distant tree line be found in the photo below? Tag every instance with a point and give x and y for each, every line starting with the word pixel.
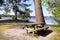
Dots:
pixel 2 15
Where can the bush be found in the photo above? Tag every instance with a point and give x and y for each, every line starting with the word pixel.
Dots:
pixel 0 16
pixel 13 17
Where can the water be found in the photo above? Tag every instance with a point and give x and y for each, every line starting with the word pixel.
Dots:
pixel 33 19
pixel 47 20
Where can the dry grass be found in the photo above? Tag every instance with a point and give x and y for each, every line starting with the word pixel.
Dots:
pixel 57 35
pixel 5 26
pixel 55 29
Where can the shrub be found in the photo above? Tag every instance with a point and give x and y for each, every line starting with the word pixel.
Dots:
pixel 0 16
pixel 13 17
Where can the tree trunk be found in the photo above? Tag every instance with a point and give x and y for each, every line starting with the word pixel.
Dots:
pixel 15 9
pixel 38 12
pixel 15 16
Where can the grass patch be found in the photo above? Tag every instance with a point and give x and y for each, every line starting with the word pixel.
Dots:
pixel 5 26
pixel 56 29
pixel 57 35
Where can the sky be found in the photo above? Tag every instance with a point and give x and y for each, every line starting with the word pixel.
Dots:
pixel 45 12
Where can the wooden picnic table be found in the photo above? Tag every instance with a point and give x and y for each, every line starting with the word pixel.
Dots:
pixel 27 25
pixel 36 26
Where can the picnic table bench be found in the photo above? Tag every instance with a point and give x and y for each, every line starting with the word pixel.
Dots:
pixel 36 26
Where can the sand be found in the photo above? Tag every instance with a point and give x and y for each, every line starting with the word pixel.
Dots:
pixel 20 34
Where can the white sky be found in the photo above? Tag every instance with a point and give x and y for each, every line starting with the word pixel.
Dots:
pixel 45 12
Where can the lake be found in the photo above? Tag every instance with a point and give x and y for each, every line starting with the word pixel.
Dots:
pixel 48 20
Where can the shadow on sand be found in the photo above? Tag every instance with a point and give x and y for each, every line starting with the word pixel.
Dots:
pixel 43 33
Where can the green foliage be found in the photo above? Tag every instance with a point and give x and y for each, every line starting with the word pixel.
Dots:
pixel 26 11
pixel 11 1
pixel 13 17
pixel 54 8
pixel 15 5
pixel 18 0
pixel 25 5
pixel 1 2
pixel 40 1
pixel 25 15
pixel 45 2
pixel 6 9
pixel 57 25
pixel 4 15
pixel 0 16
pixel 58 0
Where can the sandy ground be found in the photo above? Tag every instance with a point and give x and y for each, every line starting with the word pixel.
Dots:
pixel 20 34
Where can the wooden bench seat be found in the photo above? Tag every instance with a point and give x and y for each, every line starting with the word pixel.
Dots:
pixel 34 30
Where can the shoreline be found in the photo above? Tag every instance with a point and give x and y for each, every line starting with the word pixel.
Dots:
pixel 20 22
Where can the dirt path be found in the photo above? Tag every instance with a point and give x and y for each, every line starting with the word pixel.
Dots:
pixel 20 34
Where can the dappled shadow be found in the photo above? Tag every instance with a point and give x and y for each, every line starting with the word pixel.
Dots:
pixel 43 32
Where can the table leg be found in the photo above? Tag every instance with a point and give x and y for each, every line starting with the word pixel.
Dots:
pixel 34 30
pixel 27 29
